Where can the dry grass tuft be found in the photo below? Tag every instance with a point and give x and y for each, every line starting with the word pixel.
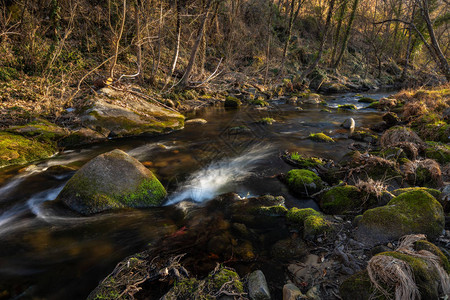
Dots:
pixel 419 172
pixel 390 271
pixel 372 187
pixel 397 135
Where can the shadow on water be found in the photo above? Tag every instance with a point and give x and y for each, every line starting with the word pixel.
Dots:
pixel 49 251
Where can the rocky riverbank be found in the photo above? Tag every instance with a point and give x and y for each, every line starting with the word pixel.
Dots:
pixel 381 206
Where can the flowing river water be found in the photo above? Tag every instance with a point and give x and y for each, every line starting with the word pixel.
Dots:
pixel 50 252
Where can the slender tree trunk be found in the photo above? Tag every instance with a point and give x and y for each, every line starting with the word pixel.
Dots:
pixel 340 18
pixel 178 33
pixel 288 39
pixel 326 30
pixel 138 41
pixel 117 41
pixel 269 26
pixel 185 79
pixel 408 49
pixel 158 60
pixel 347 34
pixel 440 57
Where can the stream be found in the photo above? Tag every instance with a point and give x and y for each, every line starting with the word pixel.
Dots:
pixel 51 252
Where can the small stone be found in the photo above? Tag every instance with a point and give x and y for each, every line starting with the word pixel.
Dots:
pixel 291 292
pixel 257 286
pixel 349 124
pixel 196 121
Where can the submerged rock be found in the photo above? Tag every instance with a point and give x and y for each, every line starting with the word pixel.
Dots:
pixel 109 181
pixel 196 121
pixel 257 286
pixel 411 212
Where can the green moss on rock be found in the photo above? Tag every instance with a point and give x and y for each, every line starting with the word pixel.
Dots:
pixel 433 192
pixel 312 221
pixel 426 245
pixel 272 211
pixel 301 181
pixel 411 212
pixel 347 106
pixel 110 181
pixel 306 162
pixel 266 121
pixel 438 151
pixel 341 199
pixel 374 105
pixel 16 149
pixel 366 100
pixel 298 215
pixel 233 102
pixel 320 137
pixel 357 286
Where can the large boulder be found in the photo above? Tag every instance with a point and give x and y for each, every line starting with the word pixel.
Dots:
pixel 409 213
pixel 118 114
pixel 109 181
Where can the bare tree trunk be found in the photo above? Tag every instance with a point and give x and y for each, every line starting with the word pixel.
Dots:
pixel 117 41
pixel 269 25
pixel 138 42
pixel 155 70
pixel 322 43
pixel 408 49
pixel 347 34
pixel 185 79
pixel 178 33
pixel 288 39
pixel 440 58
pixel 340 18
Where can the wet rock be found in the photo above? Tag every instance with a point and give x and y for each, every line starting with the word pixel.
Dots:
pixel 379 127
pixel 391 119
pixel 312 99
pixel 408 213
pixel 440 152
pixel 112 117
pixel 321 137
pixel 288 249
pixel 291 292
pixel 197 121
pixel 301 182
pixel 257 286
pixel 347 106
pixel 232 102
pixel 81 136
pixel 349 124
pixel 112 180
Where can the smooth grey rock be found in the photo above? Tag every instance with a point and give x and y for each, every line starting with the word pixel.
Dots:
pixel 257 286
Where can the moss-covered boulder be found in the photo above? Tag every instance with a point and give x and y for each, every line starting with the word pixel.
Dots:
pixel 423 173
pixel 416 265
pixel 41 130
pixel 320 137
pixel 303 182
pixel 438 151
pixel 411 212
pixel 433 192
pixel 342 199
pixel 364 136
pixel 17 149
pixel 312 222
pixel 112 180
pixel 232 102
pixel 121 114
